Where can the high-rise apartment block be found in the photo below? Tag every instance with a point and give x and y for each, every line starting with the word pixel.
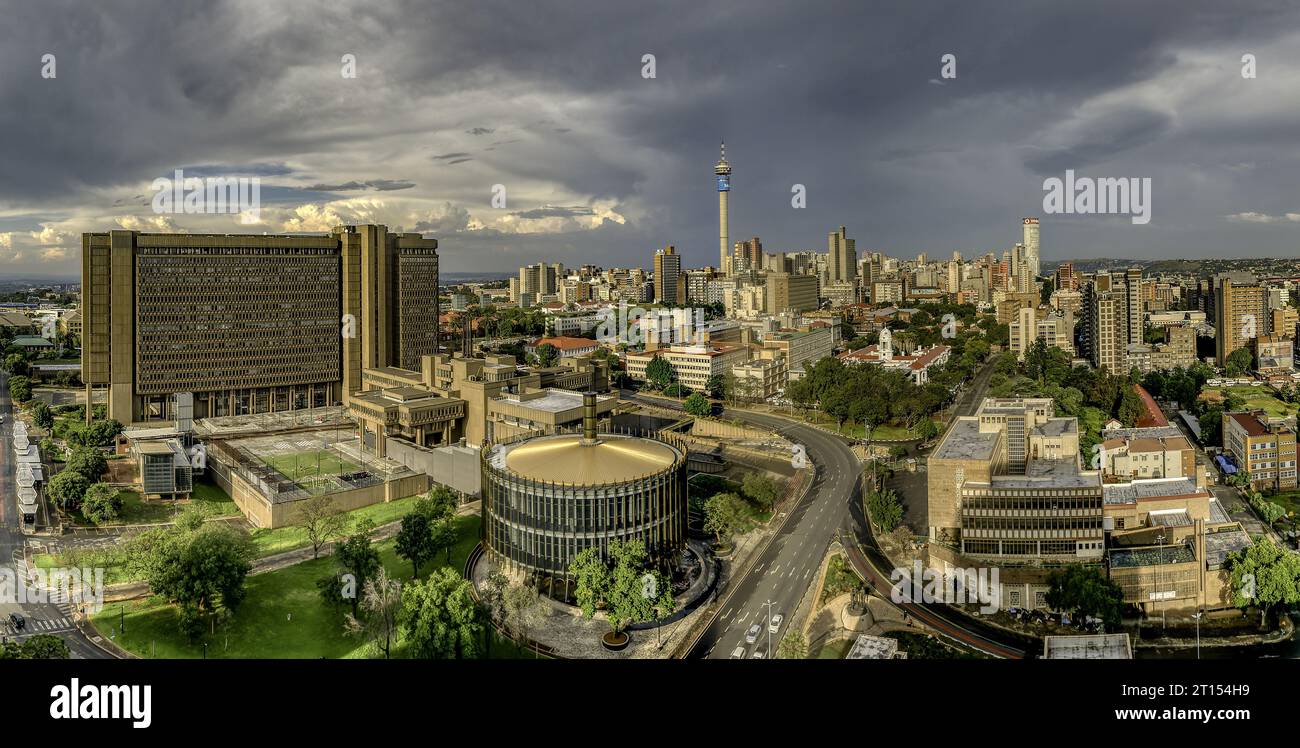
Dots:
pixel 670 283
pixel 1240 314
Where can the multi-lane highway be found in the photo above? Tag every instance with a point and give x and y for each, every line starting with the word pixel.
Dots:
pixel 788 564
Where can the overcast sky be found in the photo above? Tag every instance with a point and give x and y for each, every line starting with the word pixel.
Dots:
pixel 602 165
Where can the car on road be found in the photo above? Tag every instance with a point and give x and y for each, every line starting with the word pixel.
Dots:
pixel 759 654
pixel 774 625
pixel 17 622
pixel 751 636
pixel 738 653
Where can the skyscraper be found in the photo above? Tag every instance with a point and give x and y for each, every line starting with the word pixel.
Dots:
pixel 1240 309
pixel 722 170
pixel 1133 284
pixel 842 257
pixel 1031 245
pixel 669 281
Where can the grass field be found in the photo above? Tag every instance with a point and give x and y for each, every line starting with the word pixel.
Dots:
pixel 281 539
pixel 282 617
pixel 1260 397
pixel 310 462
pixel 207 497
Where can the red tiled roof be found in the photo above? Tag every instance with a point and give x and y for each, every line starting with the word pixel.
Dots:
pixel 566 343
pixel 1153 416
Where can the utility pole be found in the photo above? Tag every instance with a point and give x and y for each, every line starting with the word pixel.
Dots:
pixel 769 629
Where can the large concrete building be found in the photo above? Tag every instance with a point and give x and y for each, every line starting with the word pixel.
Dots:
pixel 787 292
pixel 1240 314
pixel 1006 484
pixel 1264 449
pixel 670 284
pixel 251 323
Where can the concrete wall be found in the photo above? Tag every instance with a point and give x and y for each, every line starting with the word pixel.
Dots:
pixel 454 466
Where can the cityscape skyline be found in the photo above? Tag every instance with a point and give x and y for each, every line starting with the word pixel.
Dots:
pixel 600 163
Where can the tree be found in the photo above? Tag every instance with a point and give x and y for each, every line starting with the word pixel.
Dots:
pixel 927 430
pixel 1264 575
pixel 322 520
pixel 591 579
pixel 793 646
pixel 16 364
pixel 659 372
pixel 697 405
pixel 381 603
pixel 440 619
pixel 1131 408
pixel 42 416
pixel 762 489
pixel 885 509
pixel 89 462
pixel 36 647
pixel 358 562
pixel 520 604
pixel 202 572
pixel 68 488
pixel 1085 591
pixel 627 600
pixel 726 514
pixel 101 503
pixel 547 355
pixel 491 596
pixel 1239 362
pixel 414 541
pixel 717 386
pixel 20 389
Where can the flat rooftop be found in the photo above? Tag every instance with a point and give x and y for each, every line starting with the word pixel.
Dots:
pixel 1155 488
pixel 964 441
pixel 1127 558
pixel 1057 427
pixel 1153 432
pixel 1088 647
pixel 1063 473
pixel 1219 544
pixel 554 401
pixel 867 647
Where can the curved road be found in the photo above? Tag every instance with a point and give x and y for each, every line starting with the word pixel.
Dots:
pixel 788 564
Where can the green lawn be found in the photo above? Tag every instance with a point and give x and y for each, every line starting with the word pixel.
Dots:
pixel 836 650
pixel 207 497
pixel 282 616
pixel 281 539
pixel 1288 500
pixel 297 465
pixel 1260 397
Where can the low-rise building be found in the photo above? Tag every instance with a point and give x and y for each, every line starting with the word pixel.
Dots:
pixel 1264 449
pixel 917 364
pixel 693 364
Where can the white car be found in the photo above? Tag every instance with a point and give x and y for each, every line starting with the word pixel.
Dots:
pixel 758 655
pixel 751 636
pixel 738 653
pixel 775 624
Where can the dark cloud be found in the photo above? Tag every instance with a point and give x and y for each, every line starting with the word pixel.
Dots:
pixel 835 95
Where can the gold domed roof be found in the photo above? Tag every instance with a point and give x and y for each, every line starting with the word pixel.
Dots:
pixel 565 459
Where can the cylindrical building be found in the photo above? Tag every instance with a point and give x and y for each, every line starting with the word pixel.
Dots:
pixel 545 498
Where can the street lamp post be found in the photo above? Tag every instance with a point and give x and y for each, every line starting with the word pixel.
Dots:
pixel 1197 617
pixel 768 626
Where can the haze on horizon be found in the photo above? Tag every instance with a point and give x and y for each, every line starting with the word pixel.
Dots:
pixel 603 166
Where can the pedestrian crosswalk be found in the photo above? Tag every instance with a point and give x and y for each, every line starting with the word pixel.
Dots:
pixel 50 620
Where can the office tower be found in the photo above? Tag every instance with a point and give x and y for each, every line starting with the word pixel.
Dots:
pixel 786 292
pixel 1240 313
pixel 669 281
pixel 251 323
pixel 1105 324
pixel 1031 245
pixel 1065 278
pixel 1133 286
pixel 842 257
pixel 748 255
pixel 722 170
